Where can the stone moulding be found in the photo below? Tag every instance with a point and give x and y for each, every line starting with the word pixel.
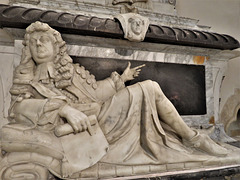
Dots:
pixel 153 172
pixel 21 17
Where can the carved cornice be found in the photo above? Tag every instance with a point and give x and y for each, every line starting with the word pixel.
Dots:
pixel 21 17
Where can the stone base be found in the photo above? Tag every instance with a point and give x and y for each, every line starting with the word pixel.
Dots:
pixel 218 173
pixel 172 172
pixel 215 166
pixel 231 172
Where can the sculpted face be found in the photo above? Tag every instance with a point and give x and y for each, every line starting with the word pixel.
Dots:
pixel 42 47
pixel 136 26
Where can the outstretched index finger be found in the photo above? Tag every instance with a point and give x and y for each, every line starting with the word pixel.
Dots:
pixel 138 67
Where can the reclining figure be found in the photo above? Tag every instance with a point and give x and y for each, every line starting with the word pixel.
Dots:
pixel 63 112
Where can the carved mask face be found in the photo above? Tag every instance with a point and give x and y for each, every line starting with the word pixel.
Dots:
pixel 136 26
pixel 42 47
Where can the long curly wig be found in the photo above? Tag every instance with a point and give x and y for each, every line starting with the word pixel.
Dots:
pixel 24 73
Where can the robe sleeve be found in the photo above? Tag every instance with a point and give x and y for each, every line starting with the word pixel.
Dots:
pixel 109 86
pixel 41 112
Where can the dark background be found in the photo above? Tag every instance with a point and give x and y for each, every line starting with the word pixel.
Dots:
pixel 184 85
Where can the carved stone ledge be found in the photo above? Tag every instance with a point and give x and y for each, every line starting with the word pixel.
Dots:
pixel 21 17
pixel 152 172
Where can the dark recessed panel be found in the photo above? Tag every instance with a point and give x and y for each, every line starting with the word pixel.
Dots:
pixel 184 85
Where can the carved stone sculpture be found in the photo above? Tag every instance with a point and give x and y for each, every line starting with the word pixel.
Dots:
pixel 64 121
pixel 134 26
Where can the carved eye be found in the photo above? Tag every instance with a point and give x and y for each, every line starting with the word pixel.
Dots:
pixel 33 41
pixel 44 39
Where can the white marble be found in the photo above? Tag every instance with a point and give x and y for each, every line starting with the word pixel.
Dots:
pixel 178 58
pixel 46 70
pixel 123 54
pixel 215 67
pixel 134 26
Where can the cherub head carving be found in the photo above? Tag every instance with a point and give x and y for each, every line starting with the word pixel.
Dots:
pixel 134 26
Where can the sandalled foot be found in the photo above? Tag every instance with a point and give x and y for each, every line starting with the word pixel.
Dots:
pixel 204 143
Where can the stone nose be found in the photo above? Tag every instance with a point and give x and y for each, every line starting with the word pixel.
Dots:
pixel 39 43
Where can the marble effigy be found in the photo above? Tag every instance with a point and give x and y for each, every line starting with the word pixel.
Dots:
pixel 63 121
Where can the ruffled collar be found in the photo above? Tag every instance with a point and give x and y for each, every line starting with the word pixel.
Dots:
pixel 44 72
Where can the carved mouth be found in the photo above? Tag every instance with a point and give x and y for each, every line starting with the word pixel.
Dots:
pixel 41 50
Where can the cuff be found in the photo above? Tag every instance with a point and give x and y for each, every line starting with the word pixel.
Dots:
pixel 119 83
